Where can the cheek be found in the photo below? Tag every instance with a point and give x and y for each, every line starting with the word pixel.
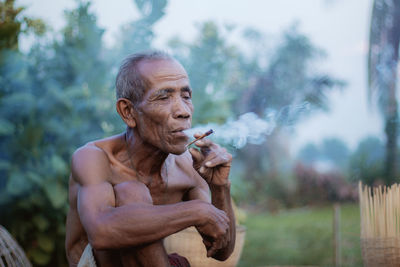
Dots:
pixel 154 121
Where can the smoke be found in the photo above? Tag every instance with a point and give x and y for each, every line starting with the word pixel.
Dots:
pixel 250 128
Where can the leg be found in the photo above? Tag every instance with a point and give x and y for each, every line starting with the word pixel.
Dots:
pixel 152 254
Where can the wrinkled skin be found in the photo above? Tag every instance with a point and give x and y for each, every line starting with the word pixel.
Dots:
pixel 129 191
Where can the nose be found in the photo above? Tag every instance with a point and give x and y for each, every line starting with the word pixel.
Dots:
pixel 181 110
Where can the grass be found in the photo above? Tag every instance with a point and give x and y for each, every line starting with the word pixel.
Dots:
pixel 301 237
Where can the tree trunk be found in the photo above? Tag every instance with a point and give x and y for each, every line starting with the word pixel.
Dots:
pixel 392 118
pixel 391 146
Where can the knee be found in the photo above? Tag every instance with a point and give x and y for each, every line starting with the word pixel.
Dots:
pixel 132 192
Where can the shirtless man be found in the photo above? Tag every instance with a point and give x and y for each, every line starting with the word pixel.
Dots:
pixel 130 191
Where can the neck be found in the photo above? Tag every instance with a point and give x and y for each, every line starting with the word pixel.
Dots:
pixel 146 159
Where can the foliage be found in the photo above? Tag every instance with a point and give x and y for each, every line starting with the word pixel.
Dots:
pixel 43 95
pixel 53 100
pixel 301 237
pixel 309 154
pixel 332 150
pixel 336 151
pixel 211 64
pixel 138 35
pixel 288 79
pixel 11 25
pixel 318 188
pixel 285 81
pixel 367 162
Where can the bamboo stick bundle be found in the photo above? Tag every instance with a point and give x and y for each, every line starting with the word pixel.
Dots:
pixel 380 225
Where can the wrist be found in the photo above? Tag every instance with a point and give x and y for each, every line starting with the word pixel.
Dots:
pixel 220 187
pixel 198 213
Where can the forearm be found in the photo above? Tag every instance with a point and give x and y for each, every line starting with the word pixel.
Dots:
pixel 137 223
pixel 221 199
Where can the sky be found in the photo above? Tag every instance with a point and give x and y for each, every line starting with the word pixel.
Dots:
pixel 339 27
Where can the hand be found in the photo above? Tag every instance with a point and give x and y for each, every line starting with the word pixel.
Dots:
pixel 214 228
pixel 212 162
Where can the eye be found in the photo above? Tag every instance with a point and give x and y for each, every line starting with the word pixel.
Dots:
pixel 186 96
pixel 163 97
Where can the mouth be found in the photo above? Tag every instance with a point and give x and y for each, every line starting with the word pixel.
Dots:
pixel 179 132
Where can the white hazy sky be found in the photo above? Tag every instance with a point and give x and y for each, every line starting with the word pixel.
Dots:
pixel 340 27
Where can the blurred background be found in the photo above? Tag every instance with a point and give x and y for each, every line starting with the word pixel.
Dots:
pixel 303 94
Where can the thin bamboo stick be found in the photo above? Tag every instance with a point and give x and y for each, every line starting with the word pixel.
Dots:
pixel 379 211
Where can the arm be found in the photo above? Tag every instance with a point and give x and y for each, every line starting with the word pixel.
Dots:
pixel 212 164
pixel 109 226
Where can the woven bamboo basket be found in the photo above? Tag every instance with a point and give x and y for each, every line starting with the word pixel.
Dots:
pixel 188 243
pixel 380 225
pixel 11 254
pixel 381 252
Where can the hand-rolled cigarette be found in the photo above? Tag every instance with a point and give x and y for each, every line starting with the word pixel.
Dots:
pixel 201 137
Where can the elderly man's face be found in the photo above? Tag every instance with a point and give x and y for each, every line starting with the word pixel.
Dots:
pixel 166 108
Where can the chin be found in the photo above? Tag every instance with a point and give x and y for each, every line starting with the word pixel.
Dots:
pixel 177 149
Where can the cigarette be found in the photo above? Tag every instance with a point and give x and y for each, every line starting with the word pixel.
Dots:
pixel 201 137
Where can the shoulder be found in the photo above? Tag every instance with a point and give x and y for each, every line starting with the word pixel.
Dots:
pixel 89 163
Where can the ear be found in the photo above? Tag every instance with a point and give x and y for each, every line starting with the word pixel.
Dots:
pixel 126 111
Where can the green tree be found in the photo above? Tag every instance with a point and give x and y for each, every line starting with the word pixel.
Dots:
pixel 211 64
pixel 55 99
pixel 52 101
pixel 383 60
pixel 336 151
pixel 138 35
pixel 12 25
pixel 367 161
pixel 309 153
pixel 287 81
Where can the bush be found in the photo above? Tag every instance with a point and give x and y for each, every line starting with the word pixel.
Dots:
pixel 318 188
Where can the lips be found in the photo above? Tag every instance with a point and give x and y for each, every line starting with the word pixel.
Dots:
pixel 181 129
pixel 179 132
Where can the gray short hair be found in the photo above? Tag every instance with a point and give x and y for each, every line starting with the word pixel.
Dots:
pixel 130 83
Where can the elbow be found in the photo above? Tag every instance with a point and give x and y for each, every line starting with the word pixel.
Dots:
pixel 98 238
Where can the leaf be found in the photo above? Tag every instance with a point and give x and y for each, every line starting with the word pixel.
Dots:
pixel 18 184
pixel 38 256
pixel 6 127
pixel 4 165
pixel 19 103
pixel 41 222
pixel 34 177
pixel 45 243
pixel 56 193
pixel 58 164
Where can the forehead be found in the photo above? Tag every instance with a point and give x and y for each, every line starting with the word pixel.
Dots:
pixel 163 72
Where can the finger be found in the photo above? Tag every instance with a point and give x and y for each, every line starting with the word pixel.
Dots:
pixel 204 148
pixel 223 242
pixel 227 237
pixel 222 214
pixel 197 134
pixel 207 243
pixel 205 143
pixel 196 156
pixel 206 173
pixel 217 160
pixel 212 250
